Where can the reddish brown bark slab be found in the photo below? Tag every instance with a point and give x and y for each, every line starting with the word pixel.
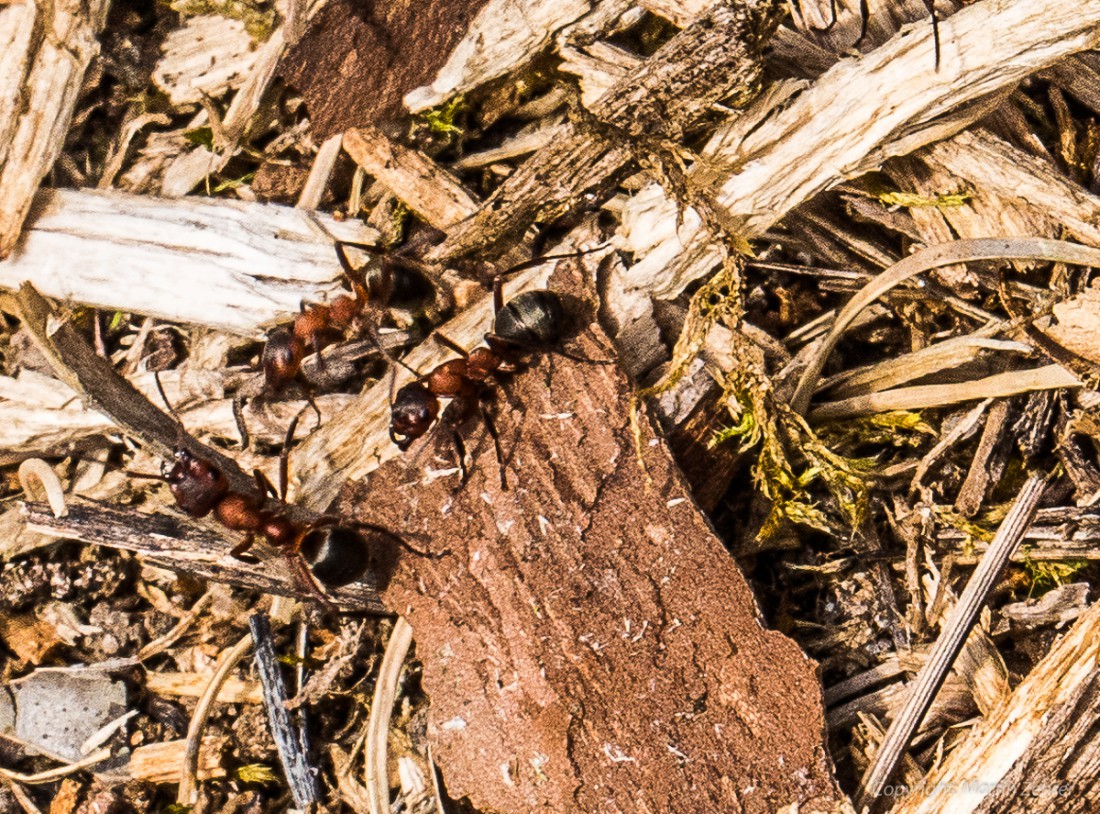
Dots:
pixel 588 644
pixel 358 59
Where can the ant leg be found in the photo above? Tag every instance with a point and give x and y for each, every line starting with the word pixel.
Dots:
pixel 312 402
pixel 546 258
pixel 284 456
pixel 460 451
pixel 498 295
pixel 242 427
pixel 163 395
pixel 240 548
pixel 491 428
pixel 264 485
pixel 495 341
pixel 372 331
pixel 420 552
pixel 342 256
pixel 306 581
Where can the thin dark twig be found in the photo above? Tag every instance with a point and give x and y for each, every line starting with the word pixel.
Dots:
pixel 951 640
pixel 289 739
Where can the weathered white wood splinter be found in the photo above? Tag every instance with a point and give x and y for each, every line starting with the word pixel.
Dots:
pixel 230 265
pixel 46 48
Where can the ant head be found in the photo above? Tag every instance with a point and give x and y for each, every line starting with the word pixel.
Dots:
pixel 414 410
pixel 197 485
pixel 281 359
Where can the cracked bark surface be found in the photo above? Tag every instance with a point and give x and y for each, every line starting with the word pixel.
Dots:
pixel 588 644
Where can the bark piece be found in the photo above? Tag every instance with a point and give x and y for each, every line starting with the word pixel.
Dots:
pixel 357 60
pixel 224 264
pixel 588 645
pixel 715 58
pixel 181 544
pixel 46 47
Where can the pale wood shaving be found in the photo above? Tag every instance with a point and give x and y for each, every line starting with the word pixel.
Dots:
pixel 47 47
pixel 598 66
pixel 188 170
pixel 503 35
pixel 191 685
pixel 229 265
pixel 992 762
pixel 208 55
pixel 527 141
pixel 1076 324
pixel 862 111
pixel 162 763
pixel 422 185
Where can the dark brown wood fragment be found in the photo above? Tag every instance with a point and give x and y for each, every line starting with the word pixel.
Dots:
pixel 358 59
pixel 90 375
pixel 588 644
pixel 179 544
pixel 716 58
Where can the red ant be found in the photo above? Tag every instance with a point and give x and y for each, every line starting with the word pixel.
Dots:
pixel 394 282
pixel 323 553
pixel 532 321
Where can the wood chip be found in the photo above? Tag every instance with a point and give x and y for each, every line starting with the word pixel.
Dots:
pixel 230 265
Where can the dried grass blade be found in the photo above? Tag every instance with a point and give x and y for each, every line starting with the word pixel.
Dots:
pixel 946 254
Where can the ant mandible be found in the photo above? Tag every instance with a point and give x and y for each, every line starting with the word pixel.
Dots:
pixel 393 282
pixel 321 554
pixel 533 321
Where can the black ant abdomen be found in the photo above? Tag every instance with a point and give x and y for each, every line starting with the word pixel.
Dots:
pixel 393 285
pixel 533 319
pixel 335 555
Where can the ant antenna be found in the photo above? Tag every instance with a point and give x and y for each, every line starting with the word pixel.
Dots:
pixel 284 456
pixel 538 261
pixel 164 397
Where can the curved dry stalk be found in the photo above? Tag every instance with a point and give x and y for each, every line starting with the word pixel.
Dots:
pixel 924 396
pixel 162 643
pixel 945 254
pixel 185 796
pixel 35 470
pixel 50 775
pixel 381 709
